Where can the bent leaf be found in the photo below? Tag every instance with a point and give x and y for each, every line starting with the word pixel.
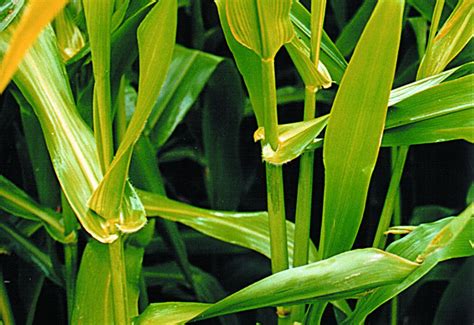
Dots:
pixel 156 38
pixel 32 22
pixel 341 276
pixel 430 244
pixel 18 203
pixel 246 229
pixel 356 126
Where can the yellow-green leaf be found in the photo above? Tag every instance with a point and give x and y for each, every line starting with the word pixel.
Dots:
pixel 36 16
pixel 261 25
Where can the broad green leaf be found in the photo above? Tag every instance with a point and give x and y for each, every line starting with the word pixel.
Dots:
pixel 263 26
pixel 94 303
pixel 344 275
pixel 315 77
pixel 347 39
pixel 156 38
pixel 329 55
pixel 450 39
pixel 33 20
pixel 70 39
pixel 355 127
pixel 8 11
pixel 293 138
pixel 18 203
pixel 188 73
pixel 429 244
pixel 29 252
pixel 119 13
pixel 221 117
pixel 247 229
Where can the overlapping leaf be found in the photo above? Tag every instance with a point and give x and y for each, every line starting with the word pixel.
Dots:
pixel 156 38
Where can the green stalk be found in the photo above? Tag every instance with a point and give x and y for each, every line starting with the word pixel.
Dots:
pixel 390 199
pixel 305 179
pixel 270 103
pixel 119 282
pixel 5 307
pixel 277 219
pixel 70 259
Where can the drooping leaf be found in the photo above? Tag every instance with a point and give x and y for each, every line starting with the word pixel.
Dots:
pixel 247 229
pixel 344 275
pixel 262 26
pixel 428 244
pixel 35 17
pixel 156 38
pixel 363 97
pixel 18 203
pixel 188 73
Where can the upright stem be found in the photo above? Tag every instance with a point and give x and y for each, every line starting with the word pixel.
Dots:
pixel 270 103
pixel 5 307
pixel 70 259
pixel 119 282
pixel 392 193
pixel 277 219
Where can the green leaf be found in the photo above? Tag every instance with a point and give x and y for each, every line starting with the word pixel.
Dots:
pixel 429 244
pixel 420 28
pixel 247 229
pixel 356 126
pixel 294 138
pixel 221 117
pixel 156 37
pixel 314 77
pixel 18 203
pixel 262 26
pixel 345 275
pixel 94 303
pixel 347 39
pixel 42 79
pixel 34 19
pixel 188 74
pixel 8 11
pixel 29 252
pixel 450 39
pixel 70 39
pixel 329 55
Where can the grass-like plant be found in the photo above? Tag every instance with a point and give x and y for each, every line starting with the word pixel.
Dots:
pixel 101 92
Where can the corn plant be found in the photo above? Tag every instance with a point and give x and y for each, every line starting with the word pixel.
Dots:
pixel 128 166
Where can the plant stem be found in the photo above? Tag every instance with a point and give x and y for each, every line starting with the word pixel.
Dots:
pixel 394 311
pixel 5 307
pixel 390 199
pixel 270 103
pixel 119 282
pixel 70 258
pixel 277 219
